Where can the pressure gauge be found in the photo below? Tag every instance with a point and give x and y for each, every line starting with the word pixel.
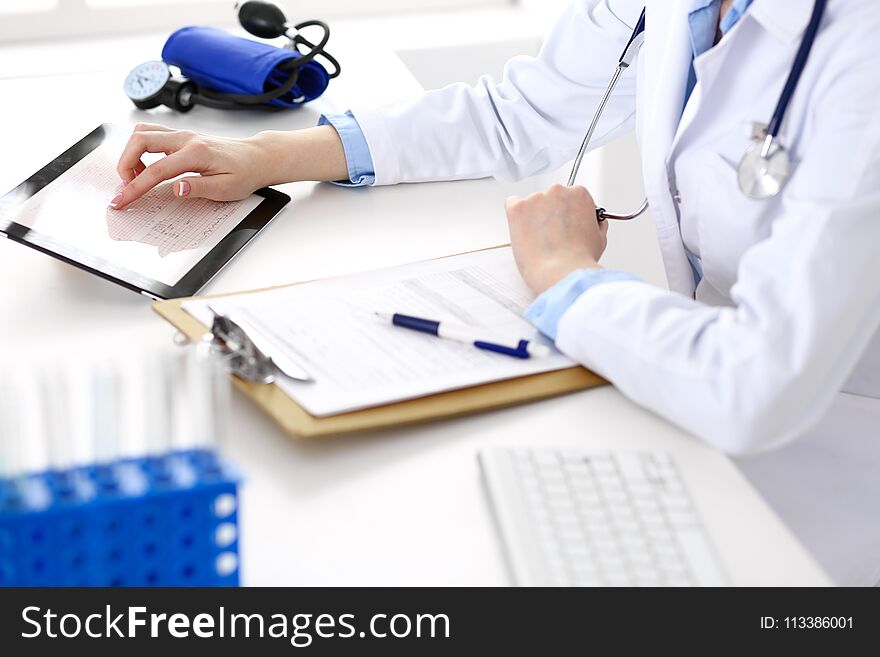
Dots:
pixel 151 84
pixel 146 81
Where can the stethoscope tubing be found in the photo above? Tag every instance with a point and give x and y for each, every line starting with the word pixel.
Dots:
pixel 585 144
pixel 773 128
pixel 626 59
pixel 797 68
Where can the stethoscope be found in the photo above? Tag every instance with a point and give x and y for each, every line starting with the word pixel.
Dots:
pixel 766 166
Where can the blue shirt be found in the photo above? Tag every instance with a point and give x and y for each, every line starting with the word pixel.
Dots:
pixel 549 307
pixel 357 152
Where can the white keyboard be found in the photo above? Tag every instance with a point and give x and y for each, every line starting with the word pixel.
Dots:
pixel 573 518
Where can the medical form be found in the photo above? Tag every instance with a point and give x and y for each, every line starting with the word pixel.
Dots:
pixel 358 361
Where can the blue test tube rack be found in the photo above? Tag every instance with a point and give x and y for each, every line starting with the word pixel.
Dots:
pixel 169 520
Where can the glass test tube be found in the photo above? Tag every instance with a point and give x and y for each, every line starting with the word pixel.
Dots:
pixel 53 385
pixel 10 431
pixel 105 429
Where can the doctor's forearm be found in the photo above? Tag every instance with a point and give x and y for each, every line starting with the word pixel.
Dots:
pixel 311 154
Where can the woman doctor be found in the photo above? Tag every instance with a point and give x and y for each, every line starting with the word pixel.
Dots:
pixel 768 343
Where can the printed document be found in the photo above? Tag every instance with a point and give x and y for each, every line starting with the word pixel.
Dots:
pixel 358 360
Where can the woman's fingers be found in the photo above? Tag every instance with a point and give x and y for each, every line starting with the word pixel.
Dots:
pixel 152 127
pixel 229 169
pixel 148 141
pixel 160 171
pixel 220 187
pixel 136 171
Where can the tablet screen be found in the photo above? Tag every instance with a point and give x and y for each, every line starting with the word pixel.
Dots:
pixel 160 236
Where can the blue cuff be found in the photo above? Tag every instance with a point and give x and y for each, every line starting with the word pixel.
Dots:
pixel 546 311
pixel 357 152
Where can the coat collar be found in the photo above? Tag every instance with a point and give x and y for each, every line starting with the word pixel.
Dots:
pixel 786 20
pixel 668 55
pixel 662 80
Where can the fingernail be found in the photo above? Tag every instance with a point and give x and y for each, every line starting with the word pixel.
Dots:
pixel 116 200
pixel 182 188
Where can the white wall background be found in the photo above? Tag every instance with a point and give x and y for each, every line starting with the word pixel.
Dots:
pixel 26 19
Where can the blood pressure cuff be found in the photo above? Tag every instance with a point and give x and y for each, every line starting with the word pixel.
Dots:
pixel 217 60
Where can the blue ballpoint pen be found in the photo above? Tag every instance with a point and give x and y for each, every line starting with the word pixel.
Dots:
pixel 468 335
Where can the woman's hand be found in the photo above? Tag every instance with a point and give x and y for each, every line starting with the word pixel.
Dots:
pixel 554 233
pixel 228 169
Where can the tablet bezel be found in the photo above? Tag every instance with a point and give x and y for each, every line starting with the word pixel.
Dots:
pixel 189 285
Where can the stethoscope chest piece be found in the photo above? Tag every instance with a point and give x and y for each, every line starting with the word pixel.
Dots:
pixel 766 165
pixel 763 170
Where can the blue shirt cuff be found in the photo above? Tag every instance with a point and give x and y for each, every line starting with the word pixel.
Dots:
pixel 357 152
pixel 546 311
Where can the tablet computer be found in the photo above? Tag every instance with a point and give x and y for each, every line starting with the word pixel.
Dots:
pixel 162 246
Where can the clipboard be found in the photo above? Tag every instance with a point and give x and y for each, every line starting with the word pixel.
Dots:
pixel 298 423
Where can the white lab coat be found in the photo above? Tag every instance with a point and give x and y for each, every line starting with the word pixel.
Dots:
pixel 775 356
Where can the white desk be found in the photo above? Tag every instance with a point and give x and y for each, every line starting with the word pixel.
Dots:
pixel 394 507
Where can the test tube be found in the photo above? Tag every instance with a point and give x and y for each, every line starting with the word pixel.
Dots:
pixel 106 412
pixel 31 448
pixel 207 398
pixel 53 387
pixel 10 431
pixel 221 392
pixel 219 395
pixel 159 403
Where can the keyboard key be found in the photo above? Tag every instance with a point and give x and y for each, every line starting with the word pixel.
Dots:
pixel 646 505
pixel 643 560
pixel 642 490
pixel 579 555
pixel 555 481
pixel 634 545
pixel 623 514
pixel 655 526
pixel 604 466
pixel 614 566
pixel 619 579
pixel 646 570
pixel 589 499
pixel 545 457
pixel 701 558
pixel 682 518
pixel 665 549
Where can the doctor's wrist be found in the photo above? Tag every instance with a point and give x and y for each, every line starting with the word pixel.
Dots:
pixel 552 271
pixel 314 154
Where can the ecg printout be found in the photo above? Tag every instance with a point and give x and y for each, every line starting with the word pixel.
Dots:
pixel 330 328
pixel 160 235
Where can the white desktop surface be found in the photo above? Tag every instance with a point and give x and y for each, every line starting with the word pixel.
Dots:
pixel 393 507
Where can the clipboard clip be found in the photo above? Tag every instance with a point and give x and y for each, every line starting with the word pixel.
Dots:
pixel 246 352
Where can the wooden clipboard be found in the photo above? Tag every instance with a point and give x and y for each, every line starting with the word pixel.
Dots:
pixel 299 424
